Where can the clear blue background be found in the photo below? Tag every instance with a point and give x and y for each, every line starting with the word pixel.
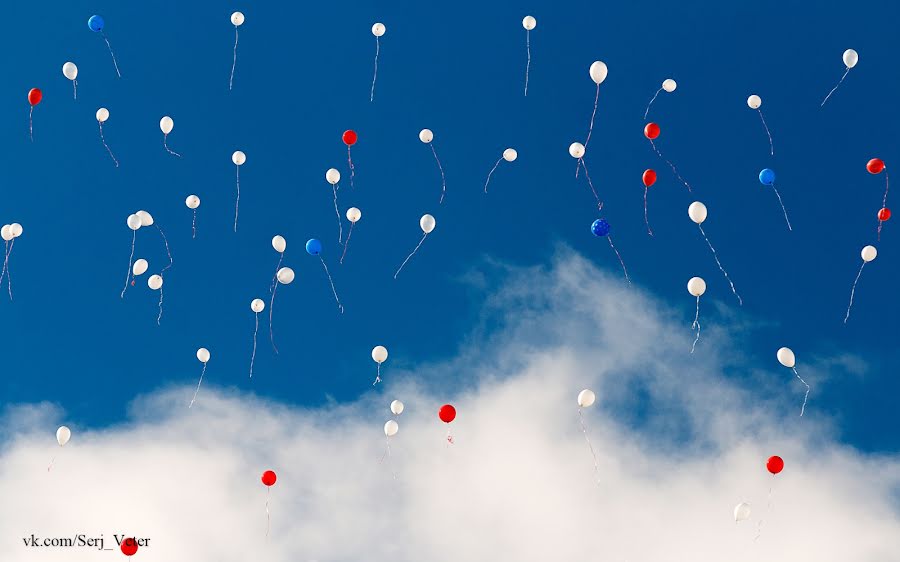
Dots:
pixel 303 76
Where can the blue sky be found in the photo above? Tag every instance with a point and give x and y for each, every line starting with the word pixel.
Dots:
pixel 303 77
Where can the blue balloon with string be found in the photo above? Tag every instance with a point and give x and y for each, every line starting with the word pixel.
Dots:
pixel 767 177
pixel 314 247
pixel 95 23
pixel 600 228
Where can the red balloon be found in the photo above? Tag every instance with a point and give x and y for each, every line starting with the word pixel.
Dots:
pixel 651 131
pixel 129 547
pixel 649 177
pixel 775 464
pixel 884 214
pixel 875 165
pixel 268 478
pixel 349 137
pixel 34 96
pixel 447 413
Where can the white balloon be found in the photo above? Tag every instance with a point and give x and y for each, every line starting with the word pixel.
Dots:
pixel 669 85
pixel 697 212
pixel 868 253
pixel 353 214
pixel 427 223
pixel 279 243
pixel 391 428
pixel 529 23
pixel 379 354
pixel 696 286
pixel 332 176
pixel 140 267
pixel 238 157
pixel 754 101
pixel 850 57
pixel 586 398
pixel 63 434
pixel 426 136
pixel 192 201
pixel 203 355
pixel 396 407
pixel 576 150
pixel 133 222
pixel 70 71
pixel 16 230
pixel 598 72
pixel 285 275
pixel 510 154
pixel 146 218
pixel 102 114
pixel 155 282
pixel 237 19
pixel 741 512
pixel 166 125
pixel 257 305
pixel 378 29
pixel 786 357
pixel 6 232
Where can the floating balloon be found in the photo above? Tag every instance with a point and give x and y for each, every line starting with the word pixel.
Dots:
pixel 268 480
pixel 767 177
pixel 696 287
pixel 143 218
pixel 333 177
pixel 237 20
pixel 741 512
pixel 350 137
pixel 377 30
pixel 876 166
pixel 649 178
pixel 129 546
pixel 353 215
pixel 509 155
pixel 314 248
pixel 868 254
pixel 598 72
pixel 134 223
pixel 102 116
pixel 850 58
pixel 697 213
pixel 754 102
pixel 257 306
pixel 600 228
pixel 396 407
pixel 155 282
pixel 426 136
pixel 884 214
pixel 786 357
pixel 652 132
pixel 96 24
pixel 427 224
pixel 238 158
pixel 775 464
pixel 577 150
pixel 70 71
pixel 139 268
pixel 529 23
pixel 668 85
pixel 63 434
pixel 391 428
pixel 192 202
pixel 34 98
pixel 203 357
pixel 166 124
pixel 447 413
pixel 586 399
pixel 379 356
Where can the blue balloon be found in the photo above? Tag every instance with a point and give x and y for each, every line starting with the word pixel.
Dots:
pixel 95 23
pixel 600 227
pixel 767 177
pixel 314 247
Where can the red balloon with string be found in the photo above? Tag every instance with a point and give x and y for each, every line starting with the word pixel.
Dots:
pixel 447 413
pixel 651 131
pixel 269 478
pixel 775 464
pixel 350 137
pixel 875 165
pixel 34 98
pixel 129 546
pixel 884 214
pixel 649 178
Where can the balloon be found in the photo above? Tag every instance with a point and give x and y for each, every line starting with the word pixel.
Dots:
pixel 391 428
pixel 396 407
pixel 279 243
pixel 775 464
pixel 884 214
pixel 15 229
pixel 70 71
pixel 155 282
pixel 95 23
pixel 6 232
pixel 600 227
pixel 313 247
pixel 510 154
pixel 586 398
pixel 129 546
pixel 427 223
pixel 332 176
pixel 754 101
pixel 875 165
pixel 378 29
pixel 850 57
pixel 349 137
pixel 166 124
pixel 426 136
pixel 237 19
pixel 353 214
pixel 146 218
pixel 285 275
pixel 598 72
pixel 269 478
pixel 649 177
pixel 257 305
pixel 63 434
pixel 786 357
pixel 868 253
pixel 696 286
pixel 529 23
pixel 576 150
pixel 669 85
pixel 447 413
pixel 697 212
pixel 102 114
pixel 741 512
pixel 34 96
pixel 192 201
pixel 133 222
pixel 140 267
pixel 767 177
pixel 203 355
pixel 651 131
pixel 379 354
pixel 238 158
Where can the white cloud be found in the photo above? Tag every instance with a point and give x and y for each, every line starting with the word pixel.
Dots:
pixel 678 447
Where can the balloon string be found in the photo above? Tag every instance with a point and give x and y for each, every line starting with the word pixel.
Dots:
pixel 802 408
pixel 268 521
pixel 331 282
pixel 591 184
pixel 590 446
pixel 337 213
pixel 449 437
pixel 410 255
pixel 841 81
pixel 53 460
pixel 166 146
pixel 528 63
pixel 696 326
pixel 491 173
pixel 272 303
pixel 853 292
pixel 887 186
pixel 253 355
pixel 31 123
pixel 375 74
pixel 771 146
pixel 387 454
pixel 237 200
pixel 775 189
pixel 590 130
pixel 130 259
pixel 722 269
pixel 347 242
pixel 234 61
pixel 168 253
pixel 75 89
pixel 8 270
pixel 6 259
pixel 671 165
pixel 198 386
pixel 275 277
pixel 653 99
pixel 759 525
pixel 103 140
pixel 352 169
pixel 646 220
pixel 159 318
pixel 443 178
pixel 377 374
pixel 108 46
pixel 194 225
pixel 622 263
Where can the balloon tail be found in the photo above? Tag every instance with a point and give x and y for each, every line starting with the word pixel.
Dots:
pixel 166 146
pixel 803 407
pixel 106 146
pixel 590 130
pixel 130 259
pixel 387 454
pixel 887 186
pixel 590 446
pixel 722 269
pixel 491 173
pixel 108 46
pixel 253 354
pixel 841 81
pixel 696 326
pixel 337 213
pixel 159 318
pixel 347 242
pixel 168 253
pixel 268 520
pixel 8 271
pixel 352 169
pixel 194 225
pixel 528 63
pixel 853 292
pixel 646 220
pixel 449 437
pixel 443 178
pixel 75 89
pixel 768 133
pixel 653 99
pixel 375 74
pixel 5 259
pixel 411 254
pixel 234 61
pixel 194 399
pixel 622 263
pixel 331 282
pixel 671 165
pixel 783 210
pixel 759 525
pixel 237 200
pixel 53 460
pixel 591 184
pixel 275 277
pixel 272 308
pixel 31 123
pixel 377 374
